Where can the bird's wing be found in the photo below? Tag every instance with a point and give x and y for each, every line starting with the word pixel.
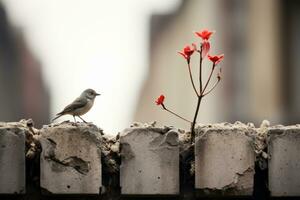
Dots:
pixel 78 103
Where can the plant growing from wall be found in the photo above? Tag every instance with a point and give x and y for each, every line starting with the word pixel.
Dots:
pixel 204 88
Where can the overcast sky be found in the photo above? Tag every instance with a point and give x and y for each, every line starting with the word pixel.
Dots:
pixel 95 44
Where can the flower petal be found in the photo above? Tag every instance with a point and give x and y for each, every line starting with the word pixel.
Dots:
pixel 185 57
pixel 205 48
pixel 204 34
pixel 216 59
pixel 220 58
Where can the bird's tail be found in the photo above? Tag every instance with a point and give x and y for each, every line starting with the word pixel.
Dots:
pixel 57 116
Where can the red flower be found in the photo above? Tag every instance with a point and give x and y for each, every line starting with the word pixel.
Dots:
pixel 205 34
pixel 205 48
pixel 160 100
pixel 216 59
pixel 188 51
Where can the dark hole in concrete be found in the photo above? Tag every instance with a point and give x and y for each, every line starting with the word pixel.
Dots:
pixel 33 190
pixel 187 179
pixel 110 172
pixel 261 179
pixel 68 186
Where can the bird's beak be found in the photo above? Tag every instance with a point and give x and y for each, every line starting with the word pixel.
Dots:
pixel 97 94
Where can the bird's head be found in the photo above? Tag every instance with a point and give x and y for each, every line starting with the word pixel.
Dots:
pixel 90 94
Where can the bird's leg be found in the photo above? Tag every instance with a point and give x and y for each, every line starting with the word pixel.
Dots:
pixel 75 122
pixel 74 118
pixel 81 119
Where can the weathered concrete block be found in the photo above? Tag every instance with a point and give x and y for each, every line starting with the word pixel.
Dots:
pixel 150 161
pixel 284 162
pixel 224 160
pixel 12 158
pixel 71 159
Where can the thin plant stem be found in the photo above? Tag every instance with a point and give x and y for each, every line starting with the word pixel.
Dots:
pixel 194 120
pixel 208 80
pixel 199 98
pixel 164 107
pixel 200 70
pixel 215 85
pixel 191 77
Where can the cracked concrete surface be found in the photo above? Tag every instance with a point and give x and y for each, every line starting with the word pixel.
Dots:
pixel 71 159
pixel 12 157
pixel 150 161
pixel 284 162
pixel 224 159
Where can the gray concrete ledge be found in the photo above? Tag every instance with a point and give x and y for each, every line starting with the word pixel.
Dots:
pixel 70 161
pixel 284 162
pixel 224 160
pixel 150 161
pixel 225 155
pixel 12 157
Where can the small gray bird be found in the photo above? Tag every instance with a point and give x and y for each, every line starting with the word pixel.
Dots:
pixel 80 106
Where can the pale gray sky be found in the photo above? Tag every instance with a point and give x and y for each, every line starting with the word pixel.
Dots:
pixel 95 44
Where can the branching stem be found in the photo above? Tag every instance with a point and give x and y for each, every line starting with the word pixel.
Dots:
pixel 191 77
pixel 164 107
pixel 208 80
pixel 215 85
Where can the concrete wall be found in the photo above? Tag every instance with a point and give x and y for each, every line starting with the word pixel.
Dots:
pixel 79 159
pixel 224 160
pixel 284 162
pixel 150 161
pixel 71 159
pixel 12 158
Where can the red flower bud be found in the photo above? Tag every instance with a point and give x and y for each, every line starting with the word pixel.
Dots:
pixel 160 100
pixel 204 34
pixel 205 48
pixel 216 59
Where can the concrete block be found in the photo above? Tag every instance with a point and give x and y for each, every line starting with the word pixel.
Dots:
pixel 150 161
pixel 71 159
pixel 12 158
pixel 224 160
pixel 284 162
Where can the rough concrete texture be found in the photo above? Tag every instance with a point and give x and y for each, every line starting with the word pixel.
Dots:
pixel 71 158
pixel 12 157
pixel 284 162
pixel 150 161
pixel 225 159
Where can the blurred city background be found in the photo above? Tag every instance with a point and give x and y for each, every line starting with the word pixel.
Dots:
pixel 50 51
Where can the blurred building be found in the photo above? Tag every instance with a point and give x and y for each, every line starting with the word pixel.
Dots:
pixel 261 43
pixel 22 90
